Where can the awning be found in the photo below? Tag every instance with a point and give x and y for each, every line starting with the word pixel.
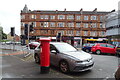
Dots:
pixel 91 39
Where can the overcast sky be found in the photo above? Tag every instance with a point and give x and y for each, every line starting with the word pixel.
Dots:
pixel 10 9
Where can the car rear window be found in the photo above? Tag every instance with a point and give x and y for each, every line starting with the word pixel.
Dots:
pixel 110 46
pixel 103 45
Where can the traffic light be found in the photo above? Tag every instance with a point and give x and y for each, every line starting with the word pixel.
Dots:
pixel 58 38
pixel 26 29
pixel 12 31
pixel 58 35
pixel 31 27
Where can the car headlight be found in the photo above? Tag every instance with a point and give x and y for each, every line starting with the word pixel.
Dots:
pixel 78 61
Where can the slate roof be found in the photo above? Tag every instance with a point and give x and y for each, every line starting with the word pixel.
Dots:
pixel 66 12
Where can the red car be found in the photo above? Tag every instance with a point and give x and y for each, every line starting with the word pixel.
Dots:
pixel 99 48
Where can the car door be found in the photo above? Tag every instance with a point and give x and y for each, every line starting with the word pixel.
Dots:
pixel 103 48
pixel 53 55
pixel 110 48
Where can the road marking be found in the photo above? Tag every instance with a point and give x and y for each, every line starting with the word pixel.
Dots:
pixel 100 69
pixel 17 57
pixel 16 53
pixel 28 58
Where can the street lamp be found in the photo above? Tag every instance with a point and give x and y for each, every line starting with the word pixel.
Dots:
pixel 81 30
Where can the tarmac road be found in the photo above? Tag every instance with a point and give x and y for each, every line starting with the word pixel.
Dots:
pixel 16 66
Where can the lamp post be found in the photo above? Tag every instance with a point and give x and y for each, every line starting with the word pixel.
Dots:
pixel 81 30
pixel 28 32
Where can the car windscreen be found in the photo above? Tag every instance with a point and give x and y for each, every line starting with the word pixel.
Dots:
pixel 35 43
pixel 65 47
pixel 91 45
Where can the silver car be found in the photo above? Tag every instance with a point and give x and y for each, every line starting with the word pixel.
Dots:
pixel 67 58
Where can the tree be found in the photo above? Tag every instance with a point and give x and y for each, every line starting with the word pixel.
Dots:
pixel 2 34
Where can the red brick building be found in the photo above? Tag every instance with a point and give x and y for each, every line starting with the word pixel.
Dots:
pixel 71 24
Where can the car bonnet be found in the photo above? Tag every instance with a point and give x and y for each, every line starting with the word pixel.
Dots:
pixel 81 55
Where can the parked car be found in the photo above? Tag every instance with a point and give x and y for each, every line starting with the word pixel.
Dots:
pixel 99 48
pixel 17 43
pixel 67 58
pixel 33 45
pixel 87 47
pixel 117 74
pixel 118 50
pixel 9 42
pixel 3 43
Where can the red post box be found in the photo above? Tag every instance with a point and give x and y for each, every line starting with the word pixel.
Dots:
pixel 45 55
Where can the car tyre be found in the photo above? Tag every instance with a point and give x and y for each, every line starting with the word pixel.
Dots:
pixel 98 52
pixel 37 59
pixel 87 50
pixel 64 67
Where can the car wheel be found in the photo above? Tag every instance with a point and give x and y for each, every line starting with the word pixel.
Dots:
pixel 87 50
pixel 64 67
pixel 37 59
pixel 98 52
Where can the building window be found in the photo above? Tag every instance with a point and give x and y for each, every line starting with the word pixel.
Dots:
pixel 77 24
pixel 52 32
pixel 61 16
pixel 22 23
pixel 60 24
pixel 52 24
pixel 85 33
pixel 34 24
pixel 69 32
pixel 70 17
pixel 44 16
pixel 77 33
pixel 101 17
pixel 22 16
pixel 85 25
pixel 45 24
pixel 93 17
pixel 33 16
pixel 70 24
pixel 101 26
pixel 93 25
pixel 62 32
pixel 44 31
pixel 85 17
pixel 93 33
pixel 102 33
pixel 41 16
pixel 52 17
pixel 41 24
pixel 22 32
pixel 78 17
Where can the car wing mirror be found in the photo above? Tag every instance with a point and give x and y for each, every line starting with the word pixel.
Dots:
pixel 53 51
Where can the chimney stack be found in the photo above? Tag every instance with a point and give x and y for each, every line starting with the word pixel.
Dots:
pixel 81 10
pixel 56 11
pixel 65 9
pixel 113 10
pixel 95 10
